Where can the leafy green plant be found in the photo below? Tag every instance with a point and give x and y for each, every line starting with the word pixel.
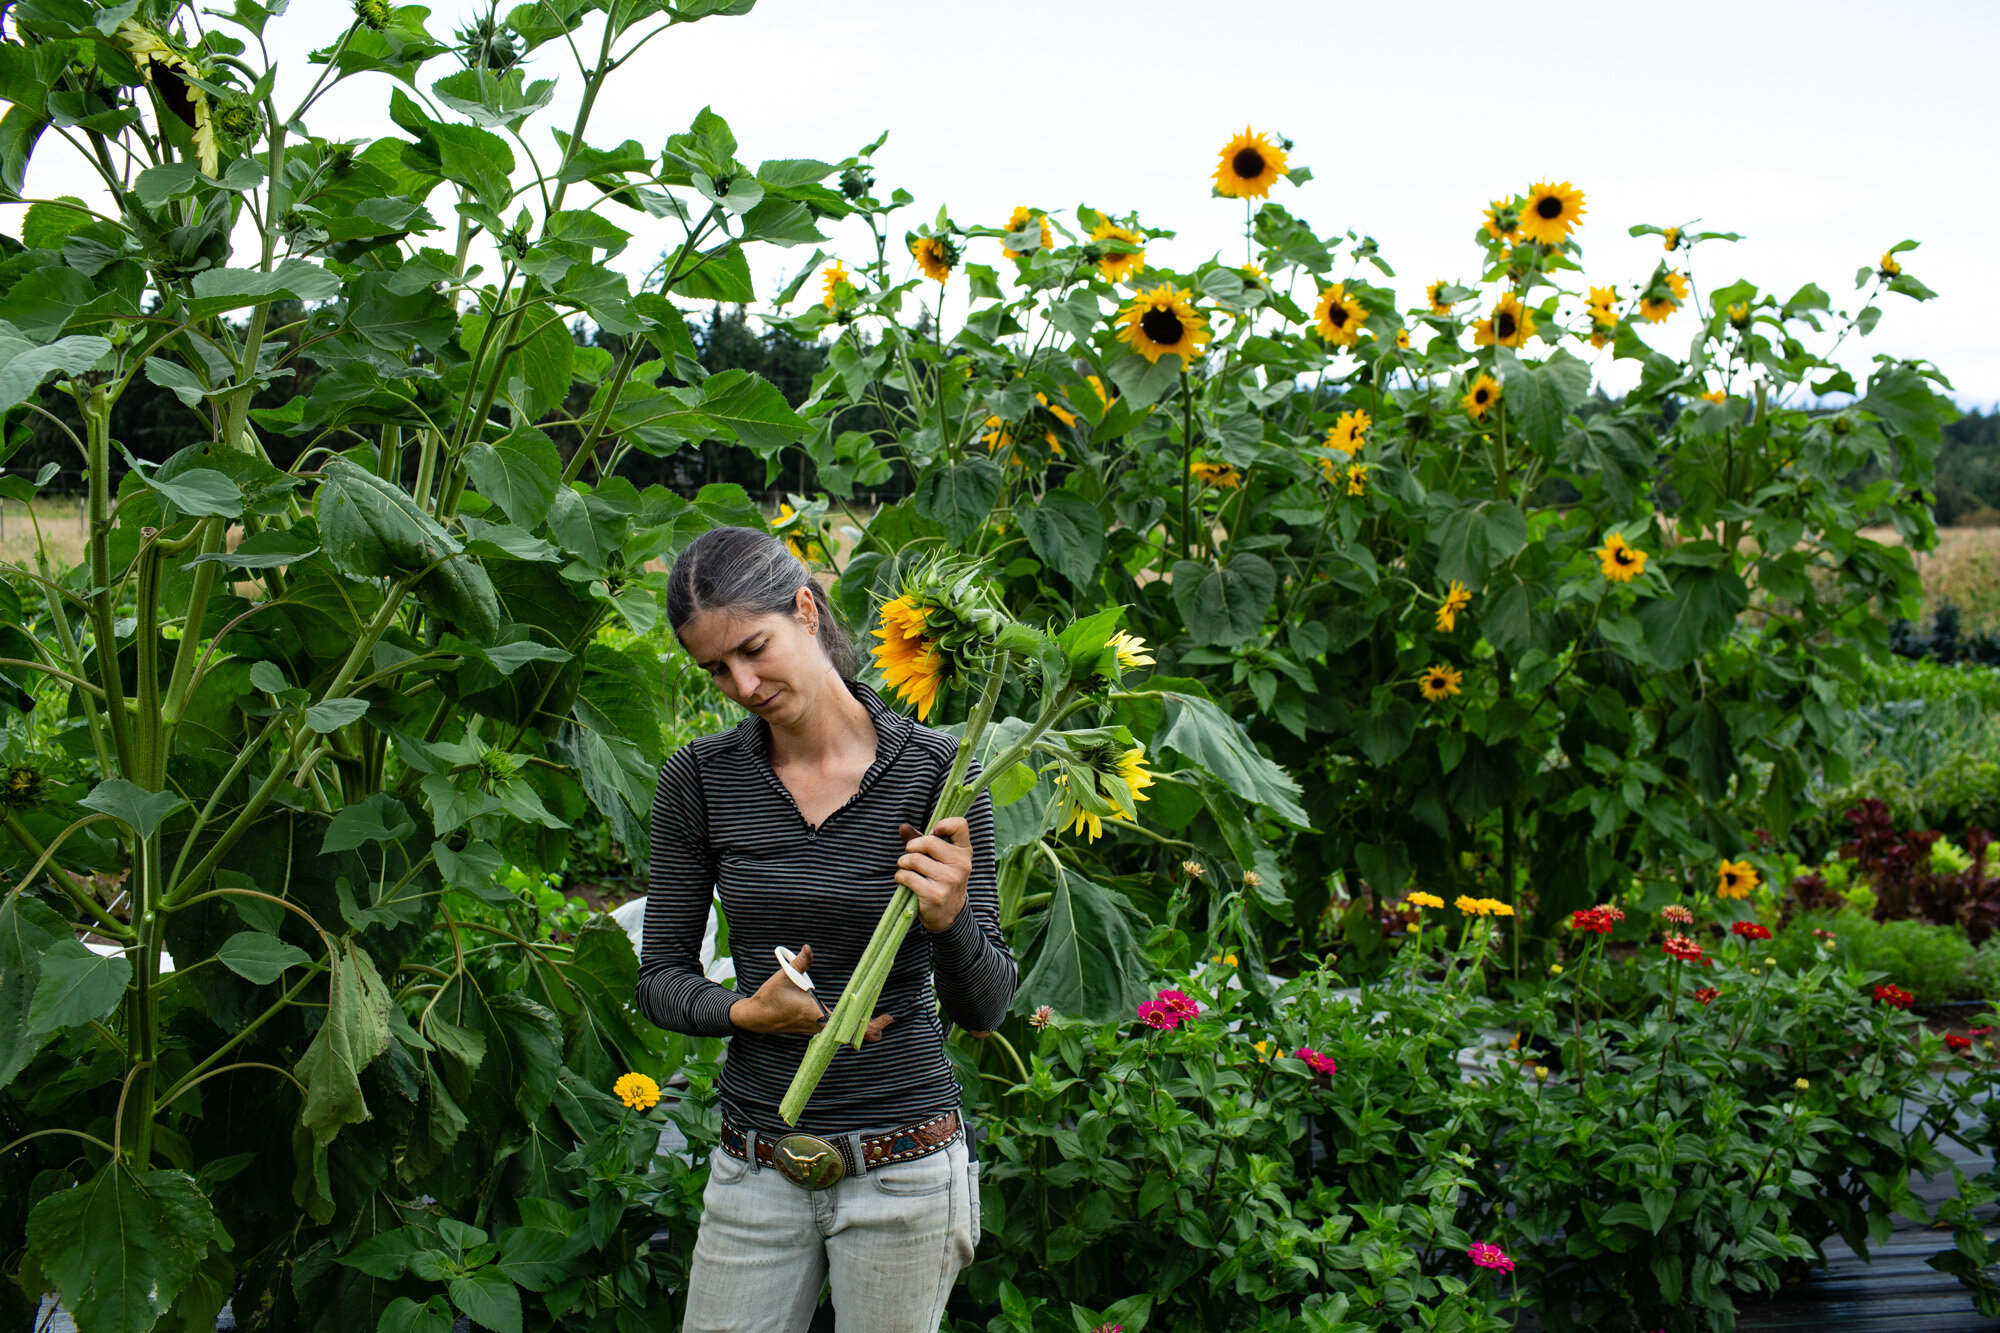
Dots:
pixel 1933 962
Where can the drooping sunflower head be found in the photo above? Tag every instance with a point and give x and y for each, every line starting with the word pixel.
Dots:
pixel 1357 478
pixel 1250 165
pixel 1739 315
pixel 1164 322
pixel 1551 212
pixel 797 533
pixel 21 787
pixel 1130 649
pixel 1349 433
pixel 1403 340
pixel 1510 325
pixel 1456 598
pixel 637 1091
pixel 1671 238
pixel 1889 267
pixel 1118 265
pixel 1338 316
pixel 936 256
pixel 1253 276
pixel 1678 285
pixel 1018 221
pixel 997 436
pixel 372 13
pixel 1735 879
pixel 1057 410
pixel 1663 296
pixel 1219 475
pixel 1480 397
pixel 1435 295
pixel 1441 682
pixel 170 74
pixel 1503 219
pixel 836 285
pixel 1716 396
pixel 908 655
pixel 1620 561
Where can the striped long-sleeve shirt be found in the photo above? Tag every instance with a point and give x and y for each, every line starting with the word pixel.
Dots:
pixel 725 827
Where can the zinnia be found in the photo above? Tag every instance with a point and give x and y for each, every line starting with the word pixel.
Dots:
pixel 1707 994
pixel 1751 930
pixel 1681 947
pixel 1677 914
pixel 1954 1042
pixel 637 1091
pixel 1319 1064
pixel 1592 919
pixel 1894 996
pixel 1490 1256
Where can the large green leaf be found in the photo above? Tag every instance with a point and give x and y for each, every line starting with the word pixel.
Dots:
pixel 1224 603
pixel 960 496
pixel 1695 618
pixel 132 805
pixel 1473 540
pixel 520 474
pixel 120 1246
pixel 1066 531
pixel 1207 736
pixel 76 986
pixel 24 364
pixel 1088 964
pixel 27 929
pixel 258 958
pixel 355 1031
pixel 752 407
pixel 489 1299
pixel 220 289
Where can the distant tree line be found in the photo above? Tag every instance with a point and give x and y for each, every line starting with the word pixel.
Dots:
pixel 1968 475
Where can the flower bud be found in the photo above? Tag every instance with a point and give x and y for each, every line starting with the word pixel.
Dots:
pixel 1801 1084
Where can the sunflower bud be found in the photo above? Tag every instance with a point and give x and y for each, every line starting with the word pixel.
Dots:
pixel 372 13
pixel 1739 315
pixel 21 788
pixel 856 182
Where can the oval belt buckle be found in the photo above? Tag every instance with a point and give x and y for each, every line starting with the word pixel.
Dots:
pixel 808 1161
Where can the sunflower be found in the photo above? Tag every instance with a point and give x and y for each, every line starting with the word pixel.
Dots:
pixel 637 1091
pixel 1254 276
pixel 1621 563
pixel 935 256
pixel 1162 322
pixel 21 786
pixel 1551 212
pixel 1062 414
pixel 1338 316
pixel 1599 338
pixel 372 13
pixel 1888 268
pixel 1602 299
pixel 1250 165
pixel 909 661
pixel 1739 315
pixel 835 283
pixel 1735 879
pixel 1120 266
pixel 1131 650
pixel 1435 295
pixel 802 549
pixel 1018 220
pixel 1347 434
pixel 1133 773
pixel 1128 769
pixel 1479 399
pixel 1055 445
pixel 1403 339
pixel 1219 475
pixel 1715 396
pixel 170 74
pixel 1510 325
pixel 1503 220
pixel 1672 237
pixel 996 437
pixel 1357 479
pixel 1456 599
pixel 1438 682
pixel 1097 387
pixel 1656 306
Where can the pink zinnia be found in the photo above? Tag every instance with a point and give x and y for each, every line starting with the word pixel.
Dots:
pixel 1154 1014
pixel 1319 1064
pixel 1490 1256
pixel 1677 914
pixel 1179 1004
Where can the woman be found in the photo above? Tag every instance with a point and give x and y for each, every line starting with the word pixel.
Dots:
pixel 802 820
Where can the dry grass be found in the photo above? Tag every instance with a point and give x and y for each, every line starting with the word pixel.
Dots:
pixel 60 523
pixel 1964 570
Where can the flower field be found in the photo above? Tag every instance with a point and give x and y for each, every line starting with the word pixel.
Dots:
pixel 1472 851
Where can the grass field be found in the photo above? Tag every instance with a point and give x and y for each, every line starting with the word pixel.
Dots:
pixel 1963 570
pixel 60 521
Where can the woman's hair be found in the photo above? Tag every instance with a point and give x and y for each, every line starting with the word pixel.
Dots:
pixel 742 571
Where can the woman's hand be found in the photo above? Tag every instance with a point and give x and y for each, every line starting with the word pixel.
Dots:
pixel 937 870
pixel 781 1006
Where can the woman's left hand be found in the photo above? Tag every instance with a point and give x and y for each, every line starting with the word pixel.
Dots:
pixel 936 867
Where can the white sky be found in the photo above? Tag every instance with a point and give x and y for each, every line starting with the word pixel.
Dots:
pixel 1823 132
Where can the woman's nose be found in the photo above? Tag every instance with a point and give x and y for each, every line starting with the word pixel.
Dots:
pixel 745 680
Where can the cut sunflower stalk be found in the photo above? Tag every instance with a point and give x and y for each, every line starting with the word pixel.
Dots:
pixel 942 631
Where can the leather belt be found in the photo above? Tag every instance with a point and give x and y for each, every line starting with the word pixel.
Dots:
pixel 816 1163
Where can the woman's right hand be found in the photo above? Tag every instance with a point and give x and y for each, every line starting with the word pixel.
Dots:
pixel 779 1006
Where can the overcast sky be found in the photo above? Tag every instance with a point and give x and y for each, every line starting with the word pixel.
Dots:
pixel 1823 132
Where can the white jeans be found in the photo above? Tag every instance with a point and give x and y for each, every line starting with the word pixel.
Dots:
pixel 891 1242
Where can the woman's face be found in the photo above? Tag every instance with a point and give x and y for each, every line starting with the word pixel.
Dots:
pixel 770 664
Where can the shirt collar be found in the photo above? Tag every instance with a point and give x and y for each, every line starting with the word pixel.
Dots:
pixel 892 729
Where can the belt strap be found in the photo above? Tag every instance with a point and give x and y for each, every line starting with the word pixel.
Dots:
pixel 859 1151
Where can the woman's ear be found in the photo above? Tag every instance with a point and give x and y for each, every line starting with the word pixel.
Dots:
pixel 808 610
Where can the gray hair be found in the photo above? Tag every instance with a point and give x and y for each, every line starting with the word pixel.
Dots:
pixel 742 571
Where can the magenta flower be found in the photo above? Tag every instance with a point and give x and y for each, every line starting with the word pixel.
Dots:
pixel 1319 1064
pixel 1179 1004
pixel 1490 1256
pixel 1155 1014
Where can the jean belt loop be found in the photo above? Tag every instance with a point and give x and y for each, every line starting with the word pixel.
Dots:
pixel 750 1147
pixel 860 1156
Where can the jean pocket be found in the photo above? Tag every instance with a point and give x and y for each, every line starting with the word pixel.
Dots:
pixel 972 1196
pixel 726 1168
pixel 929 1174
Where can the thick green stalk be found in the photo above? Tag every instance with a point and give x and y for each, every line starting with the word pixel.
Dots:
pixel 213 532
pixel 1187 463
pixel 96 408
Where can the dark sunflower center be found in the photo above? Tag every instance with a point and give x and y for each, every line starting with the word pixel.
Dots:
pixel 1549 206
pixel 1162 326
pixel 1336 314
pixel 1248 163
pixel 1503 323
pixel 1624 557
pixel 1482 395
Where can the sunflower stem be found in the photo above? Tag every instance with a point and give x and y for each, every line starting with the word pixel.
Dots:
pixel 1187 460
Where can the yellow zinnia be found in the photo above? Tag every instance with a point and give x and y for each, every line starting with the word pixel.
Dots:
pixel 1470 905
pixel 1621 563
pixel 1438 682
pixel 935 256
pixel 1419 898
pixel 1497 908
pixel 1735 879
pixel 910 663
pixel 1250 165
pixel 1120 266
pixel 1479 399
pixel 1551 212
pixel 1164 322
pixel 1510 325
pixel 1456 599
pixel 637 1091
pixel 1018 220
pixel 1338 316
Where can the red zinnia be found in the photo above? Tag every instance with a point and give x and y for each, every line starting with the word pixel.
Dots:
pixel 1894 996
pixel 1592 919
pixel 1707 994
pixel 1954 1042
pixel 1681 947
pixel 1751 930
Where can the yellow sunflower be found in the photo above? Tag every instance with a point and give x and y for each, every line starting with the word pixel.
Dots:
pixel 1439 682
pixel 1435 295
pixel 1599 338
pixel 1479 399
pixel 910 663
pixel 1131 650
pixel 1551 212
pixel 996 437
pixel 834 283
pixel 1062 414
pixel 1503 220
pixel 1602 301
pixel 1219 475
pixel 1888 268
pixel 1118 267
pixel 1055 445
pixel 1349 432
pixel 1018 220
pixel 1456 599
pixel 1250 165
pixel 1739 315
pixel 637 1091
pixel 801 548
pixel 1715 396
pixel 1672 237
pixel 1655 306
pixel 1253 275
pixel 1163 321
pixel 1338 316
pixel 935 256
pixel 1621 562
pixel 1097 387
pixel 169 72
pixel 1736 879
pixel 1403 339
pixel 1510 325
pixel 1128 769
pixel 1357 479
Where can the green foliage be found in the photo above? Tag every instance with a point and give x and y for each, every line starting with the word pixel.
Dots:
pixel 1934 963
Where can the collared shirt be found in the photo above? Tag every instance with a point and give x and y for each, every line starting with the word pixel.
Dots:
pixel 725 827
